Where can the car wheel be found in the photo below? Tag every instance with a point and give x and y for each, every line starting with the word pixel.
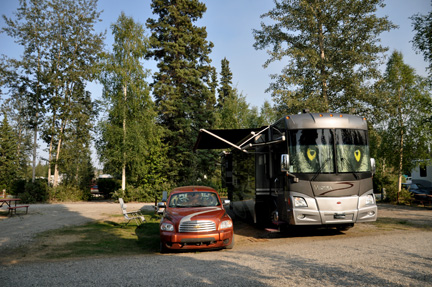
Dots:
pixel 162 248
pixel 231 245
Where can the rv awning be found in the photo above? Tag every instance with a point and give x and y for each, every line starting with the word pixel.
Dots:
pixel 223 139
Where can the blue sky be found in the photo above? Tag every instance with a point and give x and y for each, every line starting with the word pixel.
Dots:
pixel 229 26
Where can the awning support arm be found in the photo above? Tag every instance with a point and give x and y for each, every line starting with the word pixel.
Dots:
pixel 222 139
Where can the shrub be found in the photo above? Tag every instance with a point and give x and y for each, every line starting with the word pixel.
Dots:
pixel 63 193
pixel 34 192
pixel 135 194
pixel 405 196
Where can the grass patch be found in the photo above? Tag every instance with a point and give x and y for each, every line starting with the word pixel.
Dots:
pixel 386 223
pixel 108 238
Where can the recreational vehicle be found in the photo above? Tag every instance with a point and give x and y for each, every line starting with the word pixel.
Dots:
pixel 305 169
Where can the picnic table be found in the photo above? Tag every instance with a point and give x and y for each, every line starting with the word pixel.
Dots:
pixel 12 209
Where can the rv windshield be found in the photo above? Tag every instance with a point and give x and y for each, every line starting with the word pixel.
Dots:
pixel 313 151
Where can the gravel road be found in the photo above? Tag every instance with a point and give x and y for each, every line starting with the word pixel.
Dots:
pixel 390 258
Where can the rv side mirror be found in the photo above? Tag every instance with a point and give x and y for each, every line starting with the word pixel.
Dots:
pixel 373 165
pixel 164 196
pixel 285 162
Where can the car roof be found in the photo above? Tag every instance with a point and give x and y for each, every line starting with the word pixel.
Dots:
pixel 193 188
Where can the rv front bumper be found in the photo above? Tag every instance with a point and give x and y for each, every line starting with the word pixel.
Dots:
pixel 340 210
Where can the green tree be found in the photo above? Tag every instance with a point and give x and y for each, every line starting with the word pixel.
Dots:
pixel 225 89
pixel 423 37
pixel 236 113
pixel 182 85
pixel 268 114
pixel 332 51
pixel 29 28
pixel 129 142
pixel 8 154
pixel 406 107
pixel 74 52
pixel 75 163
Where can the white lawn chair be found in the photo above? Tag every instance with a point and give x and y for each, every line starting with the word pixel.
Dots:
pixel 135 215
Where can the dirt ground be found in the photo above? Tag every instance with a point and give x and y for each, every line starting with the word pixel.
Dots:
pixel 19 230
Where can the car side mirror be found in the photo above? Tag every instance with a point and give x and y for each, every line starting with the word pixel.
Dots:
pixel 160 208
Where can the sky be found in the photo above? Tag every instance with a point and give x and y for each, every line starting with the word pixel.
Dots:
pixel 229 25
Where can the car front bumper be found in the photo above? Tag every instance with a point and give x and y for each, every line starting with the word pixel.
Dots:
pixel 195 240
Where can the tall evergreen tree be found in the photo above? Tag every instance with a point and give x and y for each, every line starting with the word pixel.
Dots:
pixel 9 162
pixel 226 82
pixel 181 86
pixel 331 48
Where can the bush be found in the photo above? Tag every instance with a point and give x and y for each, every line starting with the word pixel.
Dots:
pixel 405 196
pixel 63 193
pixel 135 194
pixel 33 191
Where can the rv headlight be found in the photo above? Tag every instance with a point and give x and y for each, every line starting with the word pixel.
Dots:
pixel 167 227
pixel 299 202
pixel 370 200
pixel 226 224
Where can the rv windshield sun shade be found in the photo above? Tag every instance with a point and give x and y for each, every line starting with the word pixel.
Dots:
pixel 223 139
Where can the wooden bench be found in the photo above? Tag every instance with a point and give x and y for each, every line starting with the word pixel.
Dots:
pixel 14 208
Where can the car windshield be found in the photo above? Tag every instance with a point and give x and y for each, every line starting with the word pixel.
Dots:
pixel 193 199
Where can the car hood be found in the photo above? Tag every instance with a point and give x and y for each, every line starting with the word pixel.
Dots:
pixel 175 215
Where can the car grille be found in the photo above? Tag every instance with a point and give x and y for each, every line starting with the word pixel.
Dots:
pixel 197 226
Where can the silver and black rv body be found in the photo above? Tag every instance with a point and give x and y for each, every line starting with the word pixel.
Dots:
pixel 305 169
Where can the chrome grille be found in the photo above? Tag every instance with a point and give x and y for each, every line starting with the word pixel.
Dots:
pixel 197 226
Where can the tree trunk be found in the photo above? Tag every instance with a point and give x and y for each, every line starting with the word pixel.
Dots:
pixel 56 172
pixel 124 140
pixel 401 145
pixel 49 161
pixel 324 87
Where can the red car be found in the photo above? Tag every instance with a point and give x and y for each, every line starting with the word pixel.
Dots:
pixel 195 218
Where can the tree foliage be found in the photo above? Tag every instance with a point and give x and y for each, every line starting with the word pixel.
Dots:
pixel 9 161
pixel 30 29
pixel 423 37
pixel 405 105
pixel 129 143
pixel 182 85
pixel 331 49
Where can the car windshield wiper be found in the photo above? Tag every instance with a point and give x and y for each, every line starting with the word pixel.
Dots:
pixel 350 166
pixel 320 169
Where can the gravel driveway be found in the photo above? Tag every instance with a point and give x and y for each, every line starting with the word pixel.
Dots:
pixel 390 258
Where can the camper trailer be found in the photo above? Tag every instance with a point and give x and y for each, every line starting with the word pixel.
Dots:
pixel 305 169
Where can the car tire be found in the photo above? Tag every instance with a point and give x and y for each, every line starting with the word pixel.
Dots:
pixel 162 248
pixel 231 245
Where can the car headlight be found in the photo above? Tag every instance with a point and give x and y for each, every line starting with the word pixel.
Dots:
pixel 226 224
pixel 370 200
pixel 167 227
pixel 299 202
